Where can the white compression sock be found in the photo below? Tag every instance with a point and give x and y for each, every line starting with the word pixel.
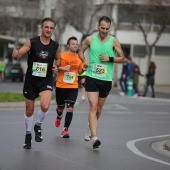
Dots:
pixel 28 122
pixel 41 116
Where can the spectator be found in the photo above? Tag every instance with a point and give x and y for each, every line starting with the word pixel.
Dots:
pixel 2 69
pixel 123 79
pixel 150 76
pixel 126 73
pixel 135 77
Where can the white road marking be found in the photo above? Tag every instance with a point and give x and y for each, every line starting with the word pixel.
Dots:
pixel 131 146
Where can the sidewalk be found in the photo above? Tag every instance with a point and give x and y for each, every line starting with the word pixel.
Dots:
pixel 161 91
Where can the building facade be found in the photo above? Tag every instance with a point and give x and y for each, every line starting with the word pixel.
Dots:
pixel 23 16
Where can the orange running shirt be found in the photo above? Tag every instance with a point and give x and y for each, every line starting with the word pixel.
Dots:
pixel 69 79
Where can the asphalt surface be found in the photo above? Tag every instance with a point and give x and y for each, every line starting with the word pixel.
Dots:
pixel 162 94
pixel 159 144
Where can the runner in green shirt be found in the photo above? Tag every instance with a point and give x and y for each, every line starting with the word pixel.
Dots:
pixel 98 83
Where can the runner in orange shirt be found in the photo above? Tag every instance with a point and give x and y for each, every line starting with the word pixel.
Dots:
pixel 67 84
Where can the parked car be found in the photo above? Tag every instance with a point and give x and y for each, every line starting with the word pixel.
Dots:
pixel 13 72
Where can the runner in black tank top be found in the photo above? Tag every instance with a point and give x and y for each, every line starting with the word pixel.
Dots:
pixel 43 59
pixel 39 76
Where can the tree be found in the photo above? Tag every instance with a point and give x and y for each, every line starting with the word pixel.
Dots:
pixel 154 12
pixel 79 13
pixel 19 19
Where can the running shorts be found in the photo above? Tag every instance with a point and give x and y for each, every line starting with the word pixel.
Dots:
pixel 95 85
pixel 34 85
pixel 66 95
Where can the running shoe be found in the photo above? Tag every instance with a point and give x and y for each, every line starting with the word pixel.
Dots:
pixel 58 121
pixel 122 93
pixel 27 144
pixel 96 143
pixel 37 130
pixel 87 136
pixel 64 133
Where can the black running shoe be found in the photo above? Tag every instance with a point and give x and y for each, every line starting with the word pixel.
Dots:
pixel 27 144
pixel 96 143
pixel 38 137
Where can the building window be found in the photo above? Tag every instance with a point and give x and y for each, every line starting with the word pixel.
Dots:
pixel 126 50
pixel 139 51
pixel 162 51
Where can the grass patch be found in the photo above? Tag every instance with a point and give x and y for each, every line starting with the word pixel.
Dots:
pixel 14 97
pixel 11 97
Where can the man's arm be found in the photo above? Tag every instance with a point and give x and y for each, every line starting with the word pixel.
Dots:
pixel 57 60
pixel 82 70
pixel 83 48
pixel 117 47
pixel 58 56
pixel 18 53
pixel 121 58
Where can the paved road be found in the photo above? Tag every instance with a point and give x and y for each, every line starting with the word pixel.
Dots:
pixel 127 129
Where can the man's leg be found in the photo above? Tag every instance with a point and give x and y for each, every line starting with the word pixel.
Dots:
pixel 45 98
pixel 28 116
pixel 68 120
pixel 101 103
pixel 93 101
pixel 96 105
pixel 59 111
pixel 82 89
pixel 70 101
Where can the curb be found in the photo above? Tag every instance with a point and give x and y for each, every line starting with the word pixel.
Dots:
pixel 167 145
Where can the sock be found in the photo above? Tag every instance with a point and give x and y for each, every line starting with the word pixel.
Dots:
pixel 28 123
pixel 95 138
pixel 68 119
pixel 41 117
pixel 59 114
pixel 28 132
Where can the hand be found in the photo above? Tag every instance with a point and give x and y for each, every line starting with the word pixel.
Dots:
pixel 84 68
pixel 54 69
pixel 104 58
pixel 124 76
pixel 15 53
pixel 85 65
pixel 66 68
pixel 125 60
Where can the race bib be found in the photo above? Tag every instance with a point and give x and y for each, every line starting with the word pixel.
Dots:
pixel 39 69
pixel 69 77
pixel 99 70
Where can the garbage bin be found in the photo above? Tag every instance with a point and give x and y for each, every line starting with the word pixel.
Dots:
pixel 130 87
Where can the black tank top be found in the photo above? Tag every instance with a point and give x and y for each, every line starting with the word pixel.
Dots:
pixel 43 54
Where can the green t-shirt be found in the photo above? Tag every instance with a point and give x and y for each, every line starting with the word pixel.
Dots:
pixel 2 66
pixel 98 69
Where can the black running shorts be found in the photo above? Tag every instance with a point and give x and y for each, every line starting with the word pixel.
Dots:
pixel 34 85
pixel 95 85
pixel 66 95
